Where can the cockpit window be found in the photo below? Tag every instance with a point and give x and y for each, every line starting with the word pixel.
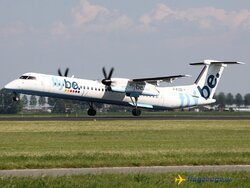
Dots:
pixel 31 78
pixel 27 77
pixel 23 77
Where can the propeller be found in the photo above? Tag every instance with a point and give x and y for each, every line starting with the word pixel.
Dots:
pixel 65 73
pixel 107 78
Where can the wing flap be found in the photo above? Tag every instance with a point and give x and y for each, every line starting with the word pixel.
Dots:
pixel 157 80
pixel 142 105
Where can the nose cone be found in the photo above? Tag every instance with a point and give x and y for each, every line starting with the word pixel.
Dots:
pixel 11 86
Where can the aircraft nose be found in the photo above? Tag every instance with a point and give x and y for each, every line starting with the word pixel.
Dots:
pixel 10 86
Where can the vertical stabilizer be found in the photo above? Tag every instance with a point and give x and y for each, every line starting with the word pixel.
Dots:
pixel 210 75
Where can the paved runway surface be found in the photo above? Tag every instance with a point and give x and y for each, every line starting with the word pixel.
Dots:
pixel 108 118
pixel 115 170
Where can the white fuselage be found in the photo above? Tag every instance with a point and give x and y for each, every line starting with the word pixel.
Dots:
pixel 95 91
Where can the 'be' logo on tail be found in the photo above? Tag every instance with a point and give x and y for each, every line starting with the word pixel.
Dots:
pixel 211 83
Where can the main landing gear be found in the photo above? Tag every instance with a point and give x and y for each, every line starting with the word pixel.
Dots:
pixel 136 111
pixel 91 110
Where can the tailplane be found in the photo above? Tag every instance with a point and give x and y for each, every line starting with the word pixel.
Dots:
pixel 210 75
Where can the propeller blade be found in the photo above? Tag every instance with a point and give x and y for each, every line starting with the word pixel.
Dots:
pixel 110 73
pixel 104 73
pixel 66 72
pixel 59 72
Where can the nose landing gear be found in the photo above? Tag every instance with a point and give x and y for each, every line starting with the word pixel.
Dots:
pixel 91 110
pixel 15 97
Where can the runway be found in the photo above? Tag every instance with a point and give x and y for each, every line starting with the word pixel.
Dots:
pixel 121 170
pixel 110 118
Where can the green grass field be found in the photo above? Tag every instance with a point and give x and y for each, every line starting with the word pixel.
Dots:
pixel 145 112
pixel 239 179
pixel 123 143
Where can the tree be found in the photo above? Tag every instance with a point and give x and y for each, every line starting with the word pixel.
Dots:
pixel 238 99
pixel 7 105
pixel 229 99
pixel 221 100
pixel 33 100
pixel 57 104
pixel 51 101
pixel 25 100
pixel 247 99
pixel 42 101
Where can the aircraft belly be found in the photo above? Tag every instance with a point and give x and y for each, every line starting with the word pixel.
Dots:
pixel 109 97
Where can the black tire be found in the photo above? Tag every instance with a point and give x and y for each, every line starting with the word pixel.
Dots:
pixel 91 112
pixel 16 99
pixel 136 112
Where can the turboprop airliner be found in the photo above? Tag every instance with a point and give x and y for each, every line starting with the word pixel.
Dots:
pixel 137 93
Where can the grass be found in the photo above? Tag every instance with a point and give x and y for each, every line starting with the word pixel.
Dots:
pixel 123 143
pixel 238 179
pixel 145 112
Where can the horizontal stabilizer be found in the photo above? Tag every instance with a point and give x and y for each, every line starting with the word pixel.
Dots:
pixel 214 62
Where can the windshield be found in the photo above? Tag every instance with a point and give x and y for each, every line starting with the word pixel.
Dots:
pixel 27 77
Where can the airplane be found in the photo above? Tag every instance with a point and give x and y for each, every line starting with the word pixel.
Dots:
pixel 137 93
pixel 179 180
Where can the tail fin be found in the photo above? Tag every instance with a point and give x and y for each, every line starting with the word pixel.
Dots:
pixel 210 75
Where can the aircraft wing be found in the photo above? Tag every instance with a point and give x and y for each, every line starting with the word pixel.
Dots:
pixel 157 80
pixel 142 86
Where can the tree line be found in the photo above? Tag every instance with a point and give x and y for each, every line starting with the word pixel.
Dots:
pixel 229 99
pixel 8 106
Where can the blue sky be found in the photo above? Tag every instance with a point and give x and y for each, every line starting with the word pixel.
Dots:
pixel 139 38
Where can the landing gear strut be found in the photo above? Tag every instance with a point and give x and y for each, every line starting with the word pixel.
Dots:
pixel 91 110
pixel 136 111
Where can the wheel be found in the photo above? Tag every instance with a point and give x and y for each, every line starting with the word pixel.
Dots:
pixel 136 112
pixel 16 99
pixel 91 112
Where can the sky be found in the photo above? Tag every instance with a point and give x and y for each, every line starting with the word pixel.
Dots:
pixel 138 38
